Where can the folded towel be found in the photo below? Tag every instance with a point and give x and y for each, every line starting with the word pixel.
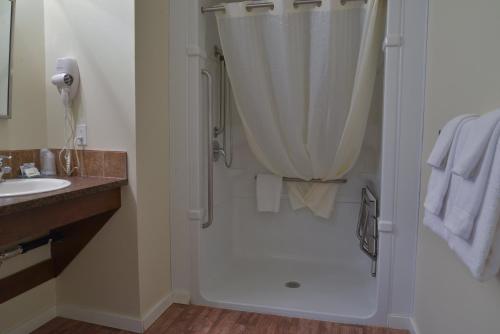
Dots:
pixel 477 144
pixel 440 177
pixel 269 192
pixel 439 153
pixel 481 253
pixel 469 194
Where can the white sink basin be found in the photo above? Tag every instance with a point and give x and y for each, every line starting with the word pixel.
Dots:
pixel 23 187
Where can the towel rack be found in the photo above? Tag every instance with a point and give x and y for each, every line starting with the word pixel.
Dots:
pixel 294 179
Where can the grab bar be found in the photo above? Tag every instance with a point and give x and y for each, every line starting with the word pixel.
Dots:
pixel 294 179
pixel 210 148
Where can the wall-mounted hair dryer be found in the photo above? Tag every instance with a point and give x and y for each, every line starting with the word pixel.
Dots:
pixel 67 79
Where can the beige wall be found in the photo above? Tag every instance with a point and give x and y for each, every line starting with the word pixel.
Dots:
pixel 125 269
pixel 31 304
pixel 27 307
pixel 100 35
pixel 152 151
pixel 26 129
pixel 463 77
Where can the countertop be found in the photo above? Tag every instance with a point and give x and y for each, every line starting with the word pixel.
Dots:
pixel 80 186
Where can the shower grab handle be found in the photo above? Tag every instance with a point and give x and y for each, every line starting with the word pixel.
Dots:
pixel 210 149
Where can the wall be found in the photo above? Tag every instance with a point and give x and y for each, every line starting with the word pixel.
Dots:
pixel 26 129
pixel 100 35
pixel 463 77
pixel 124 272
pixel 30 305
pixel 151 28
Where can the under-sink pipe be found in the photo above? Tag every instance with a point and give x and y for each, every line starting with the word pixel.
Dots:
pixel 28 246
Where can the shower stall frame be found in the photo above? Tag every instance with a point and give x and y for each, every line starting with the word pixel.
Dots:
pixel 403 112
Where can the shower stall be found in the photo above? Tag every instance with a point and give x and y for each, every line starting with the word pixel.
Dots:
pixel 353 265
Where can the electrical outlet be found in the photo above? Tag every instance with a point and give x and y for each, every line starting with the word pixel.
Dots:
pixel 81 135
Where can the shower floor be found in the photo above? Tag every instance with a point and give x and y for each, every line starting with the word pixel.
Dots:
pixel 325 289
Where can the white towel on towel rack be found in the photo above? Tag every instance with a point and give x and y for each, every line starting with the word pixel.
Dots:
pixel 470 189
pixel 269 192
pixel 440 177
pixel 481 252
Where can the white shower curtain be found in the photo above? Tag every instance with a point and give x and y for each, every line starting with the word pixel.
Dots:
pixel 303 81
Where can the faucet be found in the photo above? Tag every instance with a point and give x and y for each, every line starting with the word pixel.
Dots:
pixel 4 169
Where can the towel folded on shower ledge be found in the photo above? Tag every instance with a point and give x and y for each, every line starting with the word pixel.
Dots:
pixel 269 192
pixel 470 212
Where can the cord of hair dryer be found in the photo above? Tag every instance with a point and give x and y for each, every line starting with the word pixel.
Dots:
pixel 70 144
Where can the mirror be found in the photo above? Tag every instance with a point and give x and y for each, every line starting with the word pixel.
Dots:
pixel 6 33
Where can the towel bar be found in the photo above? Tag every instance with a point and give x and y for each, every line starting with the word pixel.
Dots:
pixel 294 179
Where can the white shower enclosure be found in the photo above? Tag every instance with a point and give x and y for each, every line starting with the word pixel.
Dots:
pixel 293 262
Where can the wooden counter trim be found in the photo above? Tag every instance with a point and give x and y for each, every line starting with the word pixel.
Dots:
pixel 23 225
pixel 80 187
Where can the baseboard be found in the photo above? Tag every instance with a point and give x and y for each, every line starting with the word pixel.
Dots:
pixel 123 322
pixel 101 318
pixel 402 322
pixel 182 297
pixel 35 322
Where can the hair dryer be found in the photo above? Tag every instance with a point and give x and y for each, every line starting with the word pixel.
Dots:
pixel 67 79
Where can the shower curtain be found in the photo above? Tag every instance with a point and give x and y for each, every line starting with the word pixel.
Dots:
pixel 303 80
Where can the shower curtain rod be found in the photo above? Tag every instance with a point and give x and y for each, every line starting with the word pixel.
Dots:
pixel 270 4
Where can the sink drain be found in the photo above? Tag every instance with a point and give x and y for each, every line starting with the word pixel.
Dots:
pixel 292 285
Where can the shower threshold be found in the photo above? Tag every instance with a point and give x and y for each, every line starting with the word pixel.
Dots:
pixel 292 287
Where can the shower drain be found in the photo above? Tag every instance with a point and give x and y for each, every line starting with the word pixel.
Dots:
pixel 292 285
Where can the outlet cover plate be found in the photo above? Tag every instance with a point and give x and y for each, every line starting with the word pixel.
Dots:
pixel 81 135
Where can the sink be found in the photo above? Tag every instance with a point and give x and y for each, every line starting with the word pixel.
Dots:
pixel 23 187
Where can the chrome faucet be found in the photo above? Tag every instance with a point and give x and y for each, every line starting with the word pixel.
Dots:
pixel 3 168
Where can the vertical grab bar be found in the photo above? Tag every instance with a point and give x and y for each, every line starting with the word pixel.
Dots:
pixel 210 148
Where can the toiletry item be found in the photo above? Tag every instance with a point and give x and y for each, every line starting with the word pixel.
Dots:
pixel 29 170
pixel 48 162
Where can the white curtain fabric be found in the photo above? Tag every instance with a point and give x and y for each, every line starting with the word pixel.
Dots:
pixel 303 82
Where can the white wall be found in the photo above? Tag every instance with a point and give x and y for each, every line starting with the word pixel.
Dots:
pixel 463 77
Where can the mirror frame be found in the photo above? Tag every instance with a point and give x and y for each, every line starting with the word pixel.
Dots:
pixel 11 53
